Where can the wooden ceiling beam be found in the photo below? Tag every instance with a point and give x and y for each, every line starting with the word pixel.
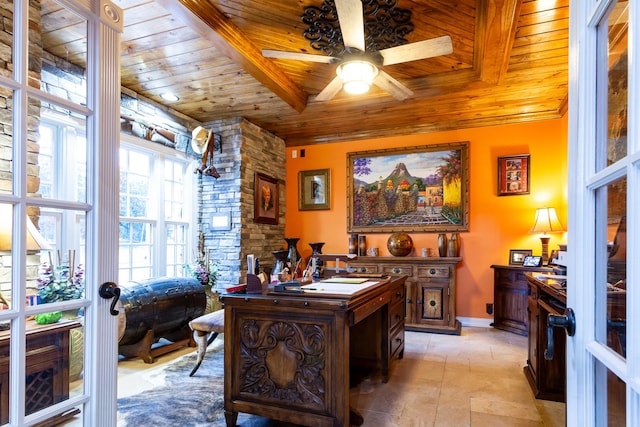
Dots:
pixel 496 25
pixel 211 24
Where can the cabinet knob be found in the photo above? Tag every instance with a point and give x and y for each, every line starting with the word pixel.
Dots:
pixel 432 271
pixel 396 270
pixel 363 269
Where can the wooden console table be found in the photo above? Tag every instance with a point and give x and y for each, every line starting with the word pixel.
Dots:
pixel 47 366
pixel 510 297
pixel 287 355
pixel 431 289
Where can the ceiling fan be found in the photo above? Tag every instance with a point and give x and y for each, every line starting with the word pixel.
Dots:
pixel 360 67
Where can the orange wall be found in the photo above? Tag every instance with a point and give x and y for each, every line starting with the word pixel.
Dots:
pixel 496 224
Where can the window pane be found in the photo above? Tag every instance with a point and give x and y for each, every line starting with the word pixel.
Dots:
pixel 60 275
pixel 611 291
pixel 64 38
pixel 613 82
pixel 6 140
pixel 61 157
pixel 611 398
pixel 6 236
pixel 6 41
pixel 135 181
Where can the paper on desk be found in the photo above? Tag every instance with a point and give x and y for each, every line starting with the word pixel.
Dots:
pixel 550 277
pixel 345 280
pixel 326 287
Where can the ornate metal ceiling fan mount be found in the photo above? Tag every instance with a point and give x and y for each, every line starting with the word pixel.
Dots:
pixel 369 32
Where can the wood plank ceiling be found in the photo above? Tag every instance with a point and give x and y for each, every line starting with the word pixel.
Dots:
pixel 509 64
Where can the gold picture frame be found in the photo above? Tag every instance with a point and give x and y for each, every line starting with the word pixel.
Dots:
pixel 421 189
pixel 314 189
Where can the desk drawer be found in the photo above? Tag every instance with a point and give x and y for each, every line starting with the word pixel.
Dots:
pixel 398 270
pixel 396 342
pixel 433 272
pixel 365 268
pixel 396 314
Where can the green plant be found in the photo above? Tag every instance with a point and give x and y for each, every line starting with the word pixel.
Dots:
pixel 60 283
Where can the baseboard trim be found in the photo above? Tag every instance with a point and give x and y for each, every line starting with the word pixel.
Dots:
pixel 475 322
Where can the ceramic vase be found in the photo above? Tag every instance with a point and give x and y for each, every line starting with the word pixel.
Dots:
pixel 454 251
pixel 292 251
pixel 280 265
pixel 362 245
pixel 316 261
pixel 353 244
pixel 442 245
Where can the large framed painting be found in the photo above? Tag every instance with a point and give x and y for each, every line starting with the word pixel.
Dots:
pixel 409 189
pixel 265 203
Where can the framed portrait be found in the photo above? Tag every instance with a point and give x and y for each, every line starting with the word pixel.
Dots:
pixel 517 256
pixel 513 175
pixel 409 189
pixel 265 203
pixel 314 189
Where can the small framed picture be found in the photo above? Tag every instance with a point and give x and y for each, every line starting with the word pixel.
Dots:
pixel 517 256
pixel 314 189
pixel 532 261
pixel 513 175
pixel 266 199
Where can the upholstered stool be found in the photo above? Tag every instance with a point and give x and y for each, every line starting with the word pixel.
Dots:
pixel 211 323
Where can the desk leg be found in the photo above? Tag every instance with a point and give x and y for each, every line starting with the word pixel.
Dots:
pixel 355 418
pixel 231 417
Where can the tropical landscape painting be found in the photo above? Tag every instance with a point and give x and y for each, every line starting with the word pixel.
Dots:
pixel 410 189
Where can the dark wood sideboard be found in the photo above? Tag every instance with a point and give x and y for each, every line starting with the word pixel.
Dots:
pixel 547 378
pixel 430 289
pixel 290 354
pixel 510 294
pixel 47 366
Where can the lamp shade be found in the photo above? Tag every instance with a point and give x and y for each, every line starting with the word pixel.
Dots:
pixel 35 241
pixel 546 222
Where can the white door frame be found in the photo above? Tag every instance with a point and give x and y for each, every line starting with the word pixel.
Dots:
pixel 583 350
pixel 104 24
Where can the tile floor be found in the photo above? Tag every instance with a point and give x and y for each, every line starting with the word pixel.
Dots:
pixel 474 379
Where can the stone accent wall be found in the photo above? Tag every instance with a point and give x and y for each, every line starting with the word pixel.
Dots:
pixel 246 149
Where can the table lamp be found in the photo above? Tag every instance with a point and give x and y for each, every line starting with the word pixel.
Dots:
pixel 35 241
pixel 546 222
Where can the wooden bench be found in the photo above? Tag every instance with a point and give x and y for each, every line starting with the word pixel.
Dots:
pixel 211 323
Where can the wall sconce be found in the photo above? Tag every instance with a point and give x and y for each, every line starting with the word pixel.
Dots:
pixel 546 222
pixel 357 76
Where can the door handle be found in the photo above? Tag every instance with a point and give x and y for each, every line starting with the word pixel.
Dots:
pixel 566 321
pixel 110 290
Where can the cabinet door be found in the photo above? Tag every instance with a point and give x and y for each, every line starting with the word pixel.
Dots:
pixel 432 302
pixel 410 302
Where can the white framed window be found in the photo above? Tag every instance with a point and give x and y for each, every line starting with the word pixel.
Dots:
pixel 156 205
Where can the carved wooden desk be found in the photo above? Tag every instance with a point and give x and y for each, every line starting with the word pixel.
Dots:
pixel 287 356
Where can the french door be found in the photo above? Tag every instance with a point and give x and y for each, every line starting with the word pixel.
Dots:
pixel 603 357
pixel 59 131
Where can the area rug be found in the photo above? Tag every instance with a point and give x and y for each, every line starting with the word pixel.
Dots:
pixel 180 400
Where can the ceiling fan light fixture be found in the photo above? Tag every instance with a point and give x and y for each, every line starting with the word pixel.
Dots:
pixel 357 76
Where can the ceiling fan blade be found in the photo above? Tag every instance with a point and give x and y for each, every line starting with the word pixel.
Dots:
pixel 283 54
pixel 351 17
pixel 330 90
pixel 392 86
pixel 418 50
